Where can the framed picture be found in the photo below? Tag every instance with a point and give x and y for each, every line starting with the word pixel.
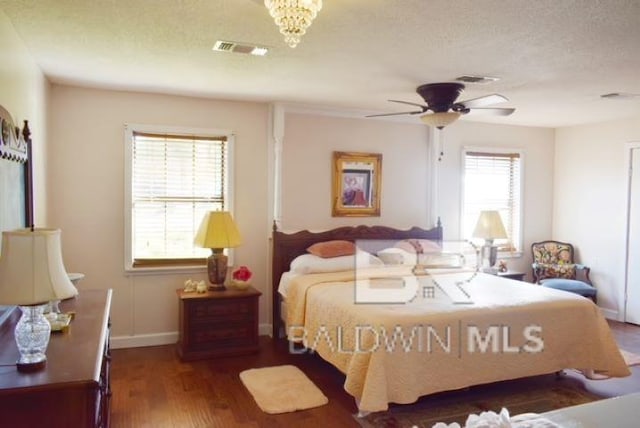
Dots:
pixel 357 178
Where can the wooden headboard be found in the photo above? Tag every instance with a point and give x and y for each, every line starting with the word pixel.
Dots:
pixel 288 246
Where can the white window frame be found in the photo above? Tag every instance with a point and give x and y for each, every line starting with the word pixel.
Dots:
pixel 498 150
pixel 129 130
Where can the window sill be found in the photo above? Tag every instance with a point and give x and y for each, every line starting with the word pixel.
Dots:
pixel 510 255
pixel 163 270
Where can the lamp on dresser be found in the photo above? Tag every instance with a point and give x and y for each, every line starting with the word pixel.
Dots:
pixel 217 231
pixel 489 227
pixel 32 274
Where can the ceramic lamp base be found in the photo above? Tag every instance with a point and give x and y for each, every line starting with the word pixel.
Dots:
pixel 217 269
pixel 489 254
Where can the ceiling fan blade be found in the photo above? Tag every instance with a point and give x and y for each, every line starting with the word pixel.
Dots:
pixel 395 114
pixel 484 101
pixel 494 111
pixel 424 106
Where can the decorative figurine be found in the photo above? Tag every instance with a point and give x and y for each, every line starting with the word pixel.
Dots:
pixel 189 286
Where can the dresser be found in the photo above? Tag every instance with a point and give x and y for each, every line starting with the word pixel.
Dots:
pixel 218 323
pixel 73 390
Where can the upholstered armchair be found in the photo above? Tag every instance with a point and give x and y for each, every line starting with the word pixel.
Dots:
pixel 554 267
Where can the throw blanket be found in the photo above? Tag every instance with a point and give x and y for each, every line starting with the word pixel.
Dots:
pixel 398 352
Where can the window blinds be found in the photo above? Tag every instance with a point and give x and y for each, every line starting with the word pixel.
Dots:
pixel 492 182
pixel 176 179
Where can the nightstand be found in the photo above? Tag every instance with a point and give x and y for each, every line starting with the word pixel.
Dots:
pixel 512 275
pixel 218 323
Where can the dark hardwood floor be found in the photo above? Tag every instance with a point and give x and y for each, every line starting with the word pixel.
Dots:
pixel 153 388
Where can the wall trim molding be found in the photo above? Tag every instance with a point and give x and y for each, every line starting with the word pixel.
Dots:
pixel 265 329
pixel 158 339
pixel 623 295
pixel 610 314
pixel 141 340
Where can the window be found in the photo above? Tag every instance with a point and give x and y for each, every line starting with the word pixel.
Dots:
pixel 492 181
pixel 174 176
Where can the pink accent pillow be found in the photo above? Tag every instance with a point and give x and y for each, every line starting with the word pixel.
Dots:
pixel 335 248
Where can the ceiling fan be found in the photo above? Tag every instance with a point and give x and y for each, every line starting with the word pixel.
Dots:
pixel 441 108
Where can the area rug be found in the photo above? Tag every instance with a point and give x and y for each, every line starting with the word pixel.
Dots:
pixel 630 358
pixel 456 406
pixel 282 389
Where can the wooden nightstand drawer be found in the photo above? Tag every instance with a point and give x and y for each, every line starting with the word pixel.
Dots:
pixel 232 317
pixel 223 338
pixel 212 309
pixel 218 323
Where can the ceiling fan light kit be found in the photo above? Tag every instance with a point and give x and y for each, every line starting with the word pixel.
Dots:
pixel 293 17
pixel 442 109
pixel 440 120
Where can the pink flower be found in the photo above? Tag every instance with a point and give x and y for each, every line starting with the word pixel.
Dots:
pixel 242 274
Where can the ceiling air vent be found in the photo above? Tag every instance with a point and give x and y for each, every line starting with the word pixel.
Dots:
pixel 234 47
pixel 477 79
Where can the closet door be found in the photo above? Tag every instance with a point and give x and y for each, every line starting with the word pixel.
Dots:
pixel 632 309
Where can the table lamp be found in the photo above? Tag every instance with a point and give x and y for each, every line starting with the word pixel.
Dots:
pixel 489 227
pixel 32 274
pixel 217 231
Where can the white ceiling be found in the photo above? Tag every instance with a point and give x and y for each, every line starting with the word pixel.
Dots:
pixel 554 57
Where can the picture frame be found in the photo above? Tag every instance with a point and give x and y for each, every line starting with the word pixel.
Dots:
pixel 357 180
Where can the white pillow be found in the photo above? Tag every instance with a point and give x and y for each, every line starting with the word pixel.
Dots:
pixel 442 260
pixel 308 263
pixel 396 256
pixel 285 282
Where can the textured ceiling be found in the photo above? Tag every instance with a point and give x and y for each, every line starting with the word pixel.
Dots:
pixel 554 57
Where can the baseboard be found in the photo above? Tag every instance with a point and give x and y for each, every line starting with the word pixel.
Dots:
pixel 157 339
pixel 265 329
pixel 610 314
pixel 141 340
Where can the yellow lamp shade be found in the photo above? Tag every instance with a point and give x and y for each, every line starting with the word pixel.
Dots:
pixel 217 230
pixel 490 226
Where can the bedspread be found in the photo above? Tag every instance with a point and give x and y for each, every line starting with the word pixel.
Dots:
pixel 395 353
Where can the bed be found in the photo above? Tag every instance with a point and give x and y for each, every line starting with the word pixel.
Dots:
pixel 398 352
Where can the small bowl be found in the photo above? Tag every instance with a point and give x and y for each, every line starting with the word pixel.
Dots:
pixel 241 285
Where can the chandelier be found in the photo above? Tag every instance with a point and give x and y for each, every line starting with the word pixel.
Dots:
pixel 293 17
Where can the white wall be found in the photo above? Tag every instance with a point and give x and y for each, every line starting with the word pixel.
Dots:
pixel 24 93
pixel 310 140
pixel 537 145
pixel 86 183
pixel 590 202
pixel 309 143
